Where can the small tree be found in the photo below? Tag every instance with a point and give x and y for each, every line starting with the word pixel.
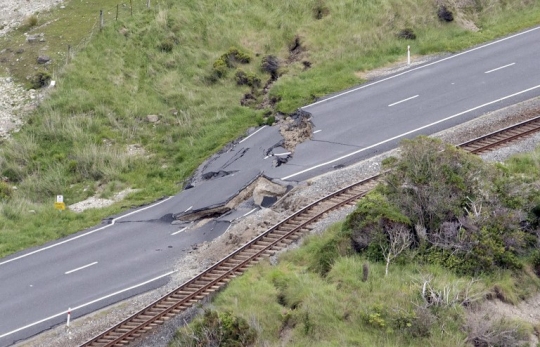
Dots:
pixel 399 240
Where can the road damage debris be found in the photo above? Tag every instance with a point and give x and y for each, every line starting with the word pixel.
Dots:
pixel 296 129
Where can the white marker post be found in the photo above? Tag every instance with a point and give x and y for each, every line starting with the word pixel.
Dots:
pixel 68 317
pixel 408 55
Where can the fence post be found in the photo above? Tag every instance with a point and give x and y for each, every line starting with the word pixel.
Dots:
pixel 117 11
pixel 131 6
pixel 100 19
pixel 147 3
pixel 68 56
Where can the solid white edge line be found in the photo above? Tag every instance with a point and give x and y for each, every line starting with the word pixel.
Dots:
pixel 87 304
pixel 399 102
pixel 80 268
pixel 179 231
pixel 250 212
pixel 502 67
pixel 264 126
pixel 85 234
pixel 412 131
pixel 423 66
pixel 189 208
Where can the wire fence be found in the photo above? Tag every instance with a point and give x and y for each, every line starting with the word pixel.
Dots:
pixel 105 16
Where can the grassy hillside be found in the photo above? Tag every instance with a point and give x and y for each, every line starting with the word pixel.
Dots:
pixel 290 304
pixel 175 61
pixel 444 262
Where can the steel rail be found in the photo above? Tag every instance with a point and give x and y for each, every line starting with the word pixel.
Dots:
pixel 502 137
pixel 274 239
pixel 254 250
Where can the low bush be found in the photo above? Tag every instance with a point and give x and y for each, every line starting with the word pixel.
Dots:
pixel 217 329
pixel 270 64
pixel 459 212
pixel 485 331
pixel 31 21
pixel 249 79
pixel 445 14
pixel 535 261
pixel 407 34
pixel 40 79
pixel 229 60
pixel 6 192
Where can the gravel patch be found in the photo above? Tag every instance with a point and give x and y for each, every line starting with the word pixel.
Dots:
pixel 14 12
pixel 15 101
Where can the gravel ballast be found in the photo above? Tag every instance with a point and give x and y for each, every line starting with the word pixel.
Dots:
pixel 86 327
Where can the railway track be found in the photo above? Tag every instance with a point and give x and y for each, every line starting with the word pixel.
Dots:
pixel 502 137
pixel 266 244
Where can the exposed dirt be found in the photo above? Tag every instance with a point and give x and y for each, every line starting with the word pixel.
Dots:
pixel 296 129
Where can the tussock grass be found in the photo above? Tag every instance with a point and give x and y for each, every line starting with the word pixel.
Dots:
pixel 291 305
pixel 159 62
pixel 525 164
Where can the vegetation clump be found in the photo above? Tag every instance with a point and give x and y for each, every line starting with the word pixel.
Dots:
pixel 270 64
pixel 446 207
pixel 31 21
pixel 445 14
pixel 320 10
pixel 40 79
pixel 217 329
pixel 229 60
pixel 6 191
pixel 407 34
pixel 249 79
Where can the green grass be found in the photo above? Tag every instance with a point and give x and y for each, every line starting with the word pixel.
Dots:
pixel 292 305
pixel 76 143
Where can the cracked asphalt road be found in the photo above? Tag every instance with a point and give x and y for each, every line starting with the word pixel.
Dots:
pixel 136 251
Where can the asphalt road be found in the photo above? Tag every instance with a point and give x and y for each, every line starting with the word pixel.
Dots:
pixel 136 251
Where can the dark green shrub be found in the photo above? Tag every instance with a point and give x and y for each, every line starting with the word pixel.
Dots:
pixel 249 79
pixel 220 68
pixel 422 323
pixel 233 56
pixel 270 120
pixel 535 261
pixel 6 192
pixel 407 34
pixel 40 79
pixel 432 182
pixel 270 64
pixel 324 257
pixel 217 329
pixel 444 14
pixel 368 224
pixel 13 174
pixel 455 206
pixel 229 60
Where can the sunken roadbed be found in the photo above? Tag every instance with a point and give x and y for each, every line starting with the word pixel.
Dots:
pixel 267 244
